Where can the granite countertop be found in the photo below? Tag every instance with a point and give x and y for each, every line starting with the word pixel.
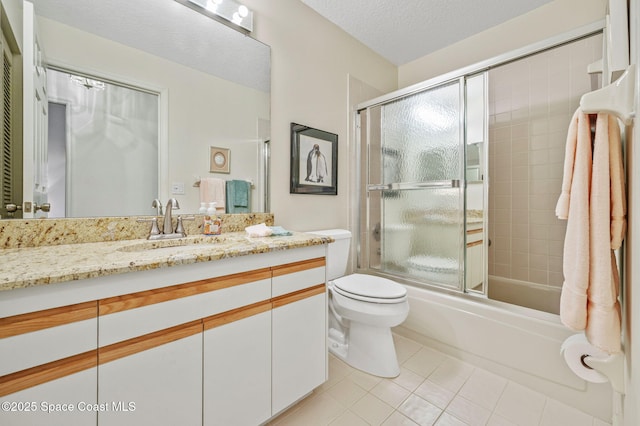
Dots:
pixel 33 266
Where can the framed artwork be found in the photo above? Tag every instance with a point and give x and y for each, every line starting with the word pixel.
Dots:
pixel 219 160
pixel 314 161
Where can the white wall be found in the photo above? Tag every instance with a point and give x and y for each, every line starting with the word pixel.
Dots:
pixel 554 18
pixel 631 324
pixel 311 60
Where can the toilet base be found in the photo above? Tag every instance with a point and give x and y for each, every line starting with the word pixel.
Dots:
pixel 367 348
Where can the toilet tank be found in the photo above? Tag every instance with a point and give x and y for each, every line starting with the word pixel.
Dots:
pixel 337 252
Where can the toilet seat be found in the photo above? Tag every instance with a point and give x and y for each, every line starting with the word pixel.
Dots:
pixel 369 288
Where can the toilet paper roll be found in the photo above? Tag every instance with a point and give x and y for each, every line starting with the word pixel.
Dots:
pixel 574 350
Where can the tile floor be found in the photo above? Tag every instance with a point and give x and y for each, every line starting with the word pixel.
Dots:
pixel 432 389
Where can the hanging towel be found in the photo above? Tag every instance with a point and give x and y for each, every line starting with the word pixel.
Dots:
pixel 593 202
pixel 238 196
pixel 213 189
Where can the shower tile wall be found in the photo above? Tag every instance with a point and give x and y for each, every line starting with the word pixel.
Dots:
pixel 531 102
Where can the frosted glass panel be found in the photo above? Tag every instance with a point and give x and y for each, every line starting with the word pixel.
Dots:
pixel 415 231
pixel 419 137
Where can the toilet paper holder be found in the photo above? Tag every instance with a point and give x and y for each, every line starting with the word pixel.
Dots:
pixel 612 367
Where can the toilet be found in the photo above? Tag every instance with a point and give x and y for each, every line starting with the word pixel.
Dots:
pixel 362 310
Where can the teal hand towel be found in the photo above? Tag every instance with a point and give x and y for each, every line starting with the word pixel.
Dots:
pixel 237 196
pixel 241 194
pixel 279 231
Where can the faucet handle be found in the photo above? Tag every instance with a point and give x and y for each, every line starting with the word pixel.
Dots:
pixel 156 204
pixel 180 228
pixel 154 225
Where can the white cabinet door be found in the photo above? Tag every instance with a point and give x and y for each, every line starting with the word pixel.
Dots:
pixel 69 400
pixel 299 346
pixel 237 370
pixel 157 386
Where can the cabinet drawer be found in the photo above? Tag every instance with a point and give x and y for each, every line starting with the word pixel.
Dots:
pixel 41 337
pixel 125 317
pixel 475 236
pixel 297 276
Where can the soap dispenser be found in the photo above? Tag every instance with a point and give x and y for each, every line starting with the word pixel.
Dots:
pixel 211 221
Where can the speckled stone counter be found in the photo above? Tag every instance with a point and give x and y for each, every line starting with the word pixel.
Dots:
pixel 46 232
pixel 33 266
pixel 38 252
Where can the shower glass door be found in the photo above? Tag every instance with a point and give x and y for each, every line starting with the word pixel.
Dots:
pixel 411 186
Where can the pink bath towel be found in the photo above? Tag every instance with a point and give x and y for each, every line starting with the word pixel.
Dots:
pixel 593 202
pixel 213 189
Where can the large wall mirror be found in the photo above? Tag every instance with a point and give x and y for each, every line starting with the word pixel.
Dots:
pixel 207 84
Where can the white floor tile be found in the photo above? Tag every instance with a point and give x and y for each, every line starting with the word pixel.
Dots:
pixel 435 394
pixel 468 412
pixel 447 419
pixel 372 410
pixel 496 420
pixel 346 392
pixel 558 414
pixel 405 348
pixel 483 388
pixel 390 393
pixel 420 411
pixel 348 418
pixel 408 379
pixel 364 380
pixel 451 374
pixel 520 405
pixel 432 389
pixel 425 361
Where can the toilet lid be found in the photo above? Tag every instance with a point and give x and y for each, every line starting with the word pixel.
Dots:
pixel 370 286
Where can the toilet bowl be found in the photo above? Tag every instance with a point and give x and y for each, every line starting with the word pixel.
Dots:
pixel 362 310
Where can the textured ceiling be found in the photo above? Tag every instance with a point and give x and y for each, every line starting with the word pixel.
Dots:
pixel 169 30
pixel 404 30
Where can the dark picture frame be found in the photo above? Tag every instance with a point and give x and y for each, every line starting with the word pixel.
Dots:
pixel 314 161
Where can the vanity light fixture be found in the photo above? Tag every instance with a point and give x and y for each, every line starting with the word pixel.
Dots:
pixel 228 12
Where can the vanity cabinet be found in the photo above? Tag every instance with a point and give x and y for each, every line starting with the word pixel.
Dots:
pixel 155 380
pixel 230 342
pixel 237 367
pixel 48 373
pixel 299 321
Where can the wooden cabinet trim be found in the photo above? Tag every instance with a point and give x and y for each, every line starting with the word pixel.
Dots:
pixel 164 294
pixel 40 320
pixel 148 341
pixel 475 243
pixel 296 296
pixel 40 374
pixel 236 314
pixel 474 231
pixel 303 265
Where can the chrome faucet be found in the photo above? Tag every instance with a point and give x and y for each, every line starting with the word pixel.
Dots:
pixel 167 227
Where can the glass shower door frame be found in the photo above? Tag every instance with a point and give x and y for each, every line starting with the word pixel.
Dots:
pixel 371 193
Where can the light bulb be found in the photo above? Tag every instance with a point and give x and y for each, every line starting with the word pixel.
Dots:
pixel 236 18
pixel 243 11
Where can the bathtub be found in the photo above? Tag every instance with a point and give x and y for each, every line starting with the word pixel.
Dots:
pixel 520 344
pixel 522 293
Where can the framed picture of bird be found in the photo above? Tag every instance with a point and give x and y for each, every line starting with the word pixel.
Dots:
pixel 314 161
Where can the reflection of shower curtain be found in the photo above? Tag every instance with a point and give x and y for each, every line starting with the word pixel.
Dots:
pixel 414 202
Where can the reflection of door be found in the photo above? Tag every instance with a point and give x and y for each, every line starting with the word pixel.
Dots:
pixel 8 149
pixel 35 109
